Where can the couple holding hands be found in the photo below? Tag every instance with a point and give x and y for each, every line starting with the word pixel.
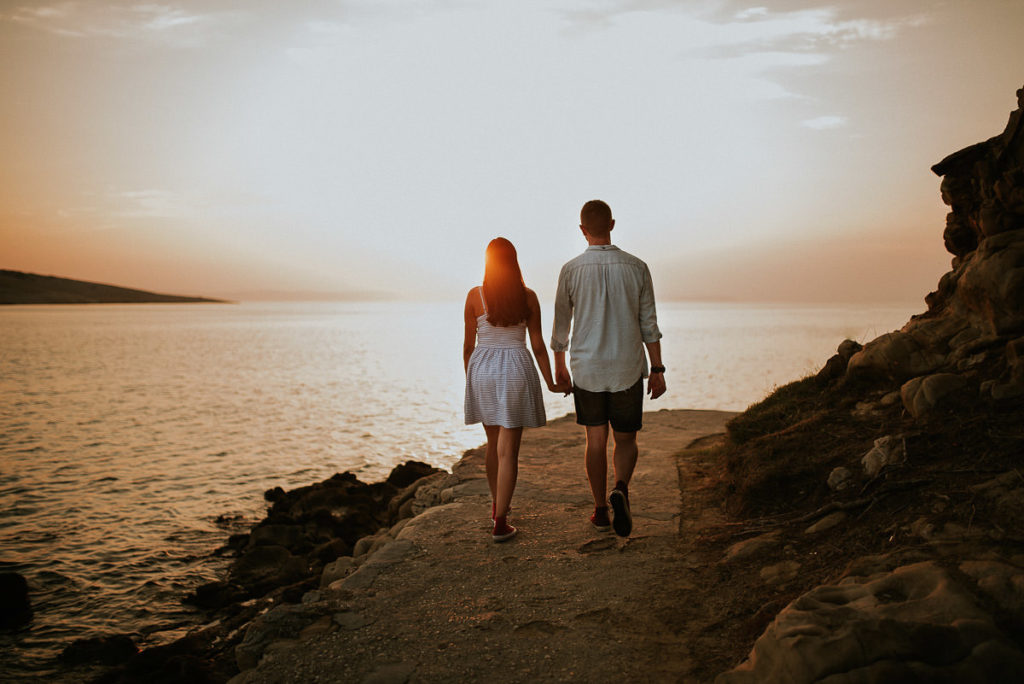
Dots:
pixel 606 297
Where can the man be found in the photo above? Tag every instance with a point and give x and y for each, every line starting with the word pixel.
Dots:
pixel 608 298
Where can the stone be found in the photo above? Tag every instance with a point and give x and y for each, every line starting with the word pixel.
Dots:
pixel 887 451
pixel 751 547
pixel 915 623
pixel 15 605
pixel 106 650
pixel 281 622
pixel 1002 582
pixel 780 573
pixel 287 536
pixel 350 620
pixel 840 479
pixel 923 395
pixel 406 473
pixel 896 355
pixel 890 399
pixel 827 523
pixel 336 570
pixel 267 567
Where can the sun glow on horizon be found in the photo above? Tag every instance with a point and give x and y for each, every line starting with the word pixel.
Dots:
pixel 368 146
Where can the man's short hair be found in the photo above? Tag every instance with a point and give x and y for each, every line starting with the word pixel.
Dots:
pixel 596 217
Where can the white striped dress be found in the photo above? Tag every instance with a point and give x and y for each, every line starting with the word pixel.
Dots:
pixel 502 384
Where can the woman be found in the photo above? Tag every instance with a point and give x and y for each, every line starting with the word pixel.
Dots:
pixel 502 388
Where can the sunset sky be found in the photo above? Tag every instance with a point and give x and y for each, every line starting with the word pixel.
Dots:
pixel 750 151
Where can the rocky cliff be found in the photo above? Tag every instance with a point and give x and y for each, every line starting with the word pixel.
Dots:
pixel 888 487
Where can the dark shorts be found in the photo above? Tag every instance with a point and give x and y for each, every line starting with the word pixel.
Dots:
pixel 624 410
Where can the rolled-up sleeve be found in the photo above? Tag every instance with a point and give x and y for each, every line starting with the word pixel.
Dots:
pixel 563 315
pixel 649 331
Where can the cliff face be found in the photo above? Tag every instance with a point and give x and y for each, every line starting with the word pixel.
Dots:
pixel 975 319
pixel 889 484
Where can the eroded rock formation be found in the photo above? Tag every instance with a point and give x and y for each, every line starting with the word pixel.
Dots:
pixel 974 325
pixel 948 603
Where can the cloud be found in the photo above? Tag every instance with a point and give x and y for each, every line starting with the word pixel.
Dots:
pixel 163 23
pixel 150 202
pixel 825 123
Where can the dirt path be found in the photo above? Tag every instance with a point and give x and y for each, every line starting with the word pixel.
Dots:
pixel 559 602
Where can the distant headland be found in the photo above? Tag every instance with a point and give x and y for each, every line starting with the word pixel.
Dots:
pixel 17 287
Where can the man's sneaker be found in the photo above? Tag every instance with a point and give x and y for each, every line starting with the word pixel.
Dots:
pixel 600 519
pixel 622 521
pixel 503 531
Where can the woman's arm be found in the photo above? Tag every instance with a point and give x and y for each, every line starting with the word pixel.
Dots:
pixel 540 349
pixel 469 339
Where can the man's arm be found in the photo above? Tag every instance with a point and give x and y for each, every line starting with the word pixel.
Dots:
pixel 651 335
pixel 656 381
pixel 560 329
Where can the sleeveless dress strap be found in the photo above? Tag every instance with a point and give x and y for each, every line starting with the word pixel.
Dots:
pixel 483 301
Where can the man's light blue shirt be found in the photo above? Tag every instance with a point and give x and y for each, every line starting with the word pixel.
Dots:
pixel 607 297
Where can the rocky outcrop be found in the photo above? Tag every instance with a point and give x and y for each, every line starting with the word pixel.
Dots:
pixel 914 423
pixel 15 607
pixel 308 528
pixel 974 325
pixel 912 623
pixel 271 596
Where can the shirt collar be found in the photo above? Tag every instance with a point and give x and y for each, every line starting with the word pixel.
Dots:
pixel 601 248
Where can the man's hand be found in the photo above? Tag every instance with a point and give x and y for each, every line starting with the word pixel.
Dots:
pixel 563 380
pixel 656 385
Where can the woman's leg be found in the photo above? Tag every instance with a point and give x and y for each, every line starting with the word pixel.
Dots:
pixel 491 462
pixel 508 468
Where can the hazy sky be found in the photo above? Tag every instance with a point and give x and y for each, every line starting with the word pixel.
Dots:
pixel 778 150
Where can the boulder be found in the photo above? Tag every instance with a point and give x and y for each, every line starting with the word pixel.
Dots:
pixel 287 536
pixel 281 622
pixel 266 567
pixel 336 570
pixel 887 451
pixel 896 355
pixel 105 650
pixel 840 479
pixel 912 624
pixel 15 606
pixel 924 394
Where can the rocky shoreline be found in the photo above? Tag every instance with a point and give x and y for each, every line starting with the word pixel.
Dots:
pixel 311 538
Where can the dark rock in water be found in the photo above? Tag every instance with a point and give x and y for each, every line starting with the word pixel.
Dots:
pixel 105 650
pixel 236 543
pixel 273 495
pixel 182 662
pixel 266 567
pixel 15 607
pixel 406 473
pixel 288 536
pixel 216 595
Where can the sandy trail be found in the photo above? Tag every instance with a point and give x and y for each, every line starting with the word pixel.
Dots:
pixel 559 602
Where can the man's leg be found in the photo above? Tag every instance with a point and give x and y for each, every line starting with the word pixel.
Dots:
pixel 626 417
pixel 626 452
pixel 597 462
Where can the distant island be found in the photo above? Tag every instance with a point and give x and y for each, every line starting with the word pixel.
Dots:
pixel 17 287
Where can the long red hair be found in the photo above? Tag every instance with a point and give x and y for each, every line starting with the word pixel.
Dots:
pixel 504 289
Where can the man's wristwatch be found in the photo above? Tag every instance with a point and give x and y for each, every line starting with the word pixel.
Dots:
pixel 657 369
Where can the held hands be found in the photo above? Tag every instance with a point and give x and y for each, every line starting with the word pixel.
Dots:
pixel 564 387
pixel 656 385
pixel 563 383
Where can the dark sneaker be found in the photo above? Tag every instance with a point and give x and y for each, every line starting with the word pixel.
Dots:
pixel 622 521
pixel 503 532
pixel 600 519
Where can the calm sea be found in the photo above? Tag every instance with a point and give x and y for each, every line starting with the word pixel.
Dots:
pixel 133 438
